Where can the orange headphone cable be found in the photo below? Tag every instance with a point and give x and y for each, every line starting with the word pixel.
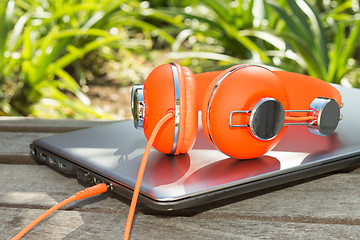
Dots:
pixel 295 118
pixel 88 192
pixel 141 173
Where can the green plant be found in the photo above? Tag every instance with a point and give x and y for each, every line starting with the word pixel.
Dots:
pixel 287 34
pixel 324 48
pixel 41 39
pixel 213 29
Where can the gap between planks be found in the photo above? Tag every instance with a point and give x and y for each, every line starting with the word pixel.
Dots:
pixel 23 124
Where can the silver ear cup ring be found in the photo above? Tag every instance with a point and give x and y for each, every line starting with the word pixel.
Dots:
pixel 177 106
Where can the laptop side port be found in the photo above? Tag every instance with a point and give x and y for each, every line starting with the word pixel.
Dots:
pixel 84 176
pixel 52 161
pixel 98 181
pixel 43 157
pixel 62 165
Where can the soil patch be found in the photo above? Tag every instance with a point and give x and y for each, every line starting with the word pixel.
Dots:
pixel 113 100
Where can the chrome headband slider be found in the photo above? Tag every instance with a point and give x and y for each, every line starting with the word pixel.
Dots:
pixel 138 106
pixel 268 117
pixel 328 112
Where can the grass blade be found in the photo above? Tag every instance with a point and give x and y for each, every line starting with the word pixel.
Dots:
pixel 335 53
pixel 70 84
pixel 319 34
pixel 7 12
pixel 349 49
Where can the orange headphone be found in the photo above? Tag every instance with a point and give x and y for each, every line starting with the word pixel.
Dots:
pixel 245 109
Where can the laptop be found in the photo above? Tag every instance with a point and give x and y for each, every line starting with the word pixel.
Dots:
pixel 112 153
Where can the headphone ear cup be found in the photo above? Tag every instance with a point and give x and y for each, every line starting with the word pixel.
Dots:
pixel 240 88
pixel 159 98
pixel 189 113
pixel 171 87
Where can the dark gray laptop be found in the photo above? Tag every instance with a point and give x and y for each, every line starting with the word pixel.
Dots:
pixel 112 153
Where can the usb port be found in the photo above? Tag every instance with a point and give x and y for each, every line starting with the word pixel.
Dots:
pixel 52 161
pixel 43 157
pixel 61 165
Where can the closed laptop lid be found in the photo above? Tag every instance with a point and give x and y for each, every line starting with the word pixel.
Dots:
pixel 115 151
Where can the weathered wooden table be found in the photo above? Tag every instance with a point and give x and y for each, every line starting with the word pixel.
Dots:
pixel 325 207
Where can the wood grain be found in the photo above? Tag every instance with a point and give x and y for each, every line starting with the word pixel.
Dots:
pixel 330 199
pixel 14 147
pixel 100 225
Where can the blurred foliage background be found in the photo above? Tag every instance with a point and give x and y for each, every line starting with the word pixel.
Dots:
pixel 54 53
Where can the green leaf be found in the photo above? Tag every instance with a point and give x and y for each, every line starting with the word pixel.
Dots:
pixel 340 8
pixel 6 15
pixel 290 23
pixel 301 17
pixel 319 34
pixel 71 85
pixel 335 52
pixel 204 55
pixel 79 53
pixel 349 49
pixel 219 9
pixel 267 36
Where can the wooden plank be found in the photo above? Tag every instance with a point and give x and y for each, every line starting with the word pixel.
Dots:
pixel 110 225
pixel 333 199
pixel 23 124
pixel 14 147
pixel 40 186
pixel 325 207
